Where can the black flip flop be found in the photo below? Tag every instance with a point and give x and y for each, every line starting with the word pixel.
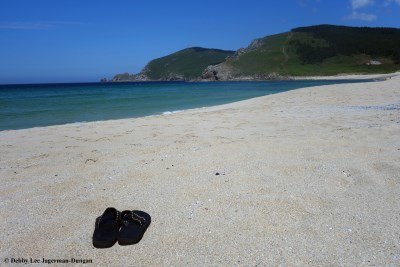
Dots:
pixel 134 225
pixel 106 228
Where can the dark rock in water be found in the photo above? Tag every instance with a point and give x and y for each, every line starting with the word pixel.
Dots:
pixel 104 80
pixel 217 173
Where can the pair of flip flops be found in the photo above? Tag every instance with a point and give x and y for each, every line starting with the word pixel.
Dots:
pixel 127 227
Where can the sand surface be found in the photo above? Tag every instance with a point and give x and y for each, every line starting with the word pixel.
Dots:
pixel 307 177
pixel 349 76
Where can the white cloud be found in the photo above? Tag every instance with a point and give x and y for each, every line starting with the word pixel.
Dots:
pixel 362 16
pixel 355 4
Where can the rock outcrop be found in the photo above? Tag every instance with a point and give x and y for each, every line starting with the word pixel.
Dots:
pixel 126 77
pixel 222 72
pixel 226 72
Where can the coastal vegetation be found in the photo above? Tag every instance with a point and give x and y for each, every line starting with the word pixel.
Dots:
pixel 185 64
pixel 314 50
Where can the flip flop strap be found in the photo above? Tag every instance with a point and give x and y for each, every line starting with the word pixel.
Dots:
pixel 135 218
pixel 116 221
pixel 140 218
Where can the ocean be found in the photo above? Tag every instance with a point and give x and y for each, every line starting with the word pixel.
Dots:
pixel 26 106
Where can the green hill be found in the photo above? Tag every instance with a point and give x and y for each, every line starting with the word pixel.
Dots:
pixel 185 64
pixel 188 63
pixel 315 50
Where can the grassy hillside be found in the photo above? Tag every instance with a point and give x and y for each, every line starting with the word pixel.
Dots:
pixel 322 50
pixel 266 58
pixel 315 50
pixel 188 63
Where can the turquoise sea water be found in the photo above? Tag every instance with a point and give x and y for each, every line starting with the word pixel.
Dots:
pixel 26 106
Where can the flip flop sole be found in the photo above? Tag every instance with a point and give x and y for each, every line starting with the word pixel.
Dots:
pixel 99 244
pixel 127 242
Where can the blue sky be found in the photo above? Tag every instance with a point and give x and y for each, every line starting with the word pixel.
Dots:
pixel 85 40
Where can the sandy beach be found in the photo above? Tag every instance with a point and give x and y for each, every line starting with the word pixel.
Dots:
pixel 306 177
pixel 349 76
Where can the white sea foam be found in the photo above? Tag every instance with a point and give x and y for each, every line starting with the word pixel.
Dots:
pixel 172 112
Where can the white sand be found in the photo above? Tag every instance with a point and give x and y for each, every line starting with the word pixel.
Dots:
pixel 349 76
pixel 308 177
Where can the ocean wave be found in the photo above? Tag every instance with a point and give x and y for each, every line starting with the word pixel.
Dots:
pixel 172 112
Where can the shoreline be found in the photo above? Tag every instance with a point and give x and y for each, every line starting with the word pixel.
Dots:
pixel 307 176
pixel 328 77
pixel 169 112
pixel 350 76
